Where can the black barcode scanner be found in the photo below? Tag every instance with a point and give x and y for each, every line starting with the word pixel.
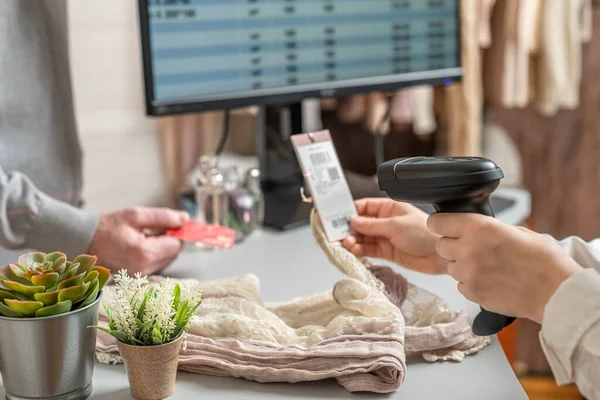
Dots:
pixel 451 185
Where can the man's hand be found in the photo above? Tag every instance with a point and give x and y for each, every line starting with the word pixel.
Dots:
pixel 505 269
pixel 396 232
pixel 124 239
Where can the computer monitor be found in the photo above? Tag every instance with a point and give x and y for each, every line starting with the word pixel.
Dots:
pixel 201 55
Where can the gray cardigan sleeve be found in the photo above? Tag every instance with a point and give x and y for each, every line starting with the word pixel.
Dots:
pixel 33 220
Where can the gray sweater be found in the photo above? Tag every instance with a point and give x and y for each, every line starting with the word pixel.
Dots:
pixel 40 155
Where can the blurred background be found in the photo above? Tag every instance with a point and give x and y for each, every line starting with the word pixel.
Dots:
pixel 529 100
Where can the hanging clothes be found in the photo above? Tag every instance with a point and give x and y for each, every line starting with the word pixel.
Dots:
pixel 485 28
pixel 464 101
pixel 401 112
pixel 514 25
pixel 566 25
pixel 421 104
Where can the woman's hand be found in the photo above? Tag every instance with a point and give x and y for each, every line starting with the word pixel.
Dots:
pixel 396 232
pixel 505 269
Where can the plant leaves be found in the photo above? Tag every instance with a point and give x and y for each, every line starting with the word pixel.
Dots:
pixel 59 268
pixel 103 275
pixel 157 337
pixel 6 295
pixel 27 308
pixel 29 273
pixel 85 261
pixel 92 294
pixel 134 340
pixel 47 298
pixel 73 281
pixel 176 296
pixel 120 336
pixel 36 257
pixel 17 269
pixel 70 271
pixel 73 293
pixel 46 280
pixel 61 307
pixel 99 328
pixel 16 276
pixel 9 312
pixel 23 289
pixel 90 276
pixel 142 309
pixel 54 256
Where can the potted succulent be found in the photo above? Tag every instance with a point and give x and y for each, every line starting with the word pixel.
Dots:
pixel 149 320
pixel 46 303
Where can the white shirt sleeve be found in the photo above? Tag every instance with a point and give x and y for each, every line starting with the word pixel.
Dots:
pixel 570 334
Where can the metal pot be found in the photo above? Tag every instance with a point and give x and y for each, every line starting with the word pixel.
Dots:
pixel 50 357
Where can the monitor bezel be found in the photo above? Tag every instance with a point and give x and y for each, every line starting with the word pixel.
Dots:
pixel 346 87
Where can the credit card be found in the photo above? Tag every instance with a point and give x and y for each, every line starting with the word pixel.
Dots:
pixel 207 234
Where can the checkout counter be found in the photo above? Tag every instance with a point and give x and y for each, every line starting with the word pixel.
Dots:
pixel 485 375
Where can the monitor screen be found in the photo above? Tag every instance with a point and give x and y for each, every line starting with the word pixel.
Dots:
pixel 212 54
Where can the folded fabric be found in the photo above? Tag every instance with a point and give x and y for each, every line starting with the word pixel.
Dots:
pixel 359 333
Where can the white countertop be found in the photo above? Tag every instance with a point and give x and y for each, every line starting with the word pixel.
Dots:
pixel 290 264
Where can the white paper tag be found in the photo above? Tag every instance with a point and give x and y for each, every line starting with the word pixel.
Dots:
pixel 328 186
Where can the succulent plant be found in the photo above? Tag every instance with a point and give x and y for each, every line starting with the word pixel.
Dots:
pixel 41 285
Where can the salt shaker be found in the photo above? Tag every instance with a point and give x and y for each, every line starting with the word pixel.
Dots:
pixel 252 184
pixel 212 200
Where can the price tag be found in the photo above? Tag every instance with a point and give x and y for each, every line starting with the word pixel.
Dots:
pixel 325 178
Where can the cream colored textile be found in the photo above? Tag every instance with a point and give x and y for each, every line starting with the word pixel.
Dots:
pixel 359 333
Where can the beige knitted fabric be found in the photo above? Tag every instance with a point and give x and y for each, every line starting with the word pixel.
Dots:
pixel 358 333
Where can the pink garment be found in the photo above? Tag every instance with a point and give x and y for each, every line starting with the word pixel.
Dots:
pixel 359 333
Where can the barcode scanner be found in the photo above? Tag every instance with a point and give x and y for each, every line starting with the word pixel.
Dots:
pixel 451 185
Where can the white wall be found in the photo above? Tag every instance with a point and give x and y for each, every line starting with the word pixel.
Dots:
pixel 122 148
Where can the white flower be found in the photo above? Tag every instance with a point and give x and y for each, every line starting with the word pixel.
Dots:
pixel 159 308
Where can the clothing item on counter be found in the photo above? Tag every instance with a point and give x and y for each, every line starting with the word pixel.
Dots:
pixel 570 334
pixel 40 155
pixel 359 333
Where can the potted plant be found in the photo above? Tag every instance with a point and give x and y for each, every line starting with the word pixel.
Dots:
pixel 46 303
pixel 148 321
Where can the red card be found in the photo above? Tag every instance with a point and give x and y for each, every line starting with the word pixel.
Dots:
pixel 210 235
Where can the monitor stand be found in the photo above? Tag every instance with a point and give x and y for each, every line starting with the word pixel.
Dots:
pixel 281 176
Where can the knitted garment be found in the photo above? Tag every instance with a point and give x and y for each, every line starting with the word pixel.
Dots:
pixel 359 333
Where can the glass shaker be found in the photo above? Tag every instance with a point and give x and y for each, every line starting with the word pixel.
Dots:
pixel 211 198
pixel 252 184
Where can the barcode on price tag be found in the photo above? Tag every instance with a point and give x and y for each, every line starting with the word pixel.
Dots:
pixel 327 183
pixel 319 158
pixel 334 173
pixel 340 222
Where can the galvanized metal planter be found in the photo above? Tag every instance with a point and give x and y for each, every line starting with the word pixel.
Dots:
pixel 51 357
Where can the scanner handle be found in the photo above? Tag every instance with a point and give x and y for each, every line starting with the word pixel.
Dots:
pixel 486 322
pixel 466 206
